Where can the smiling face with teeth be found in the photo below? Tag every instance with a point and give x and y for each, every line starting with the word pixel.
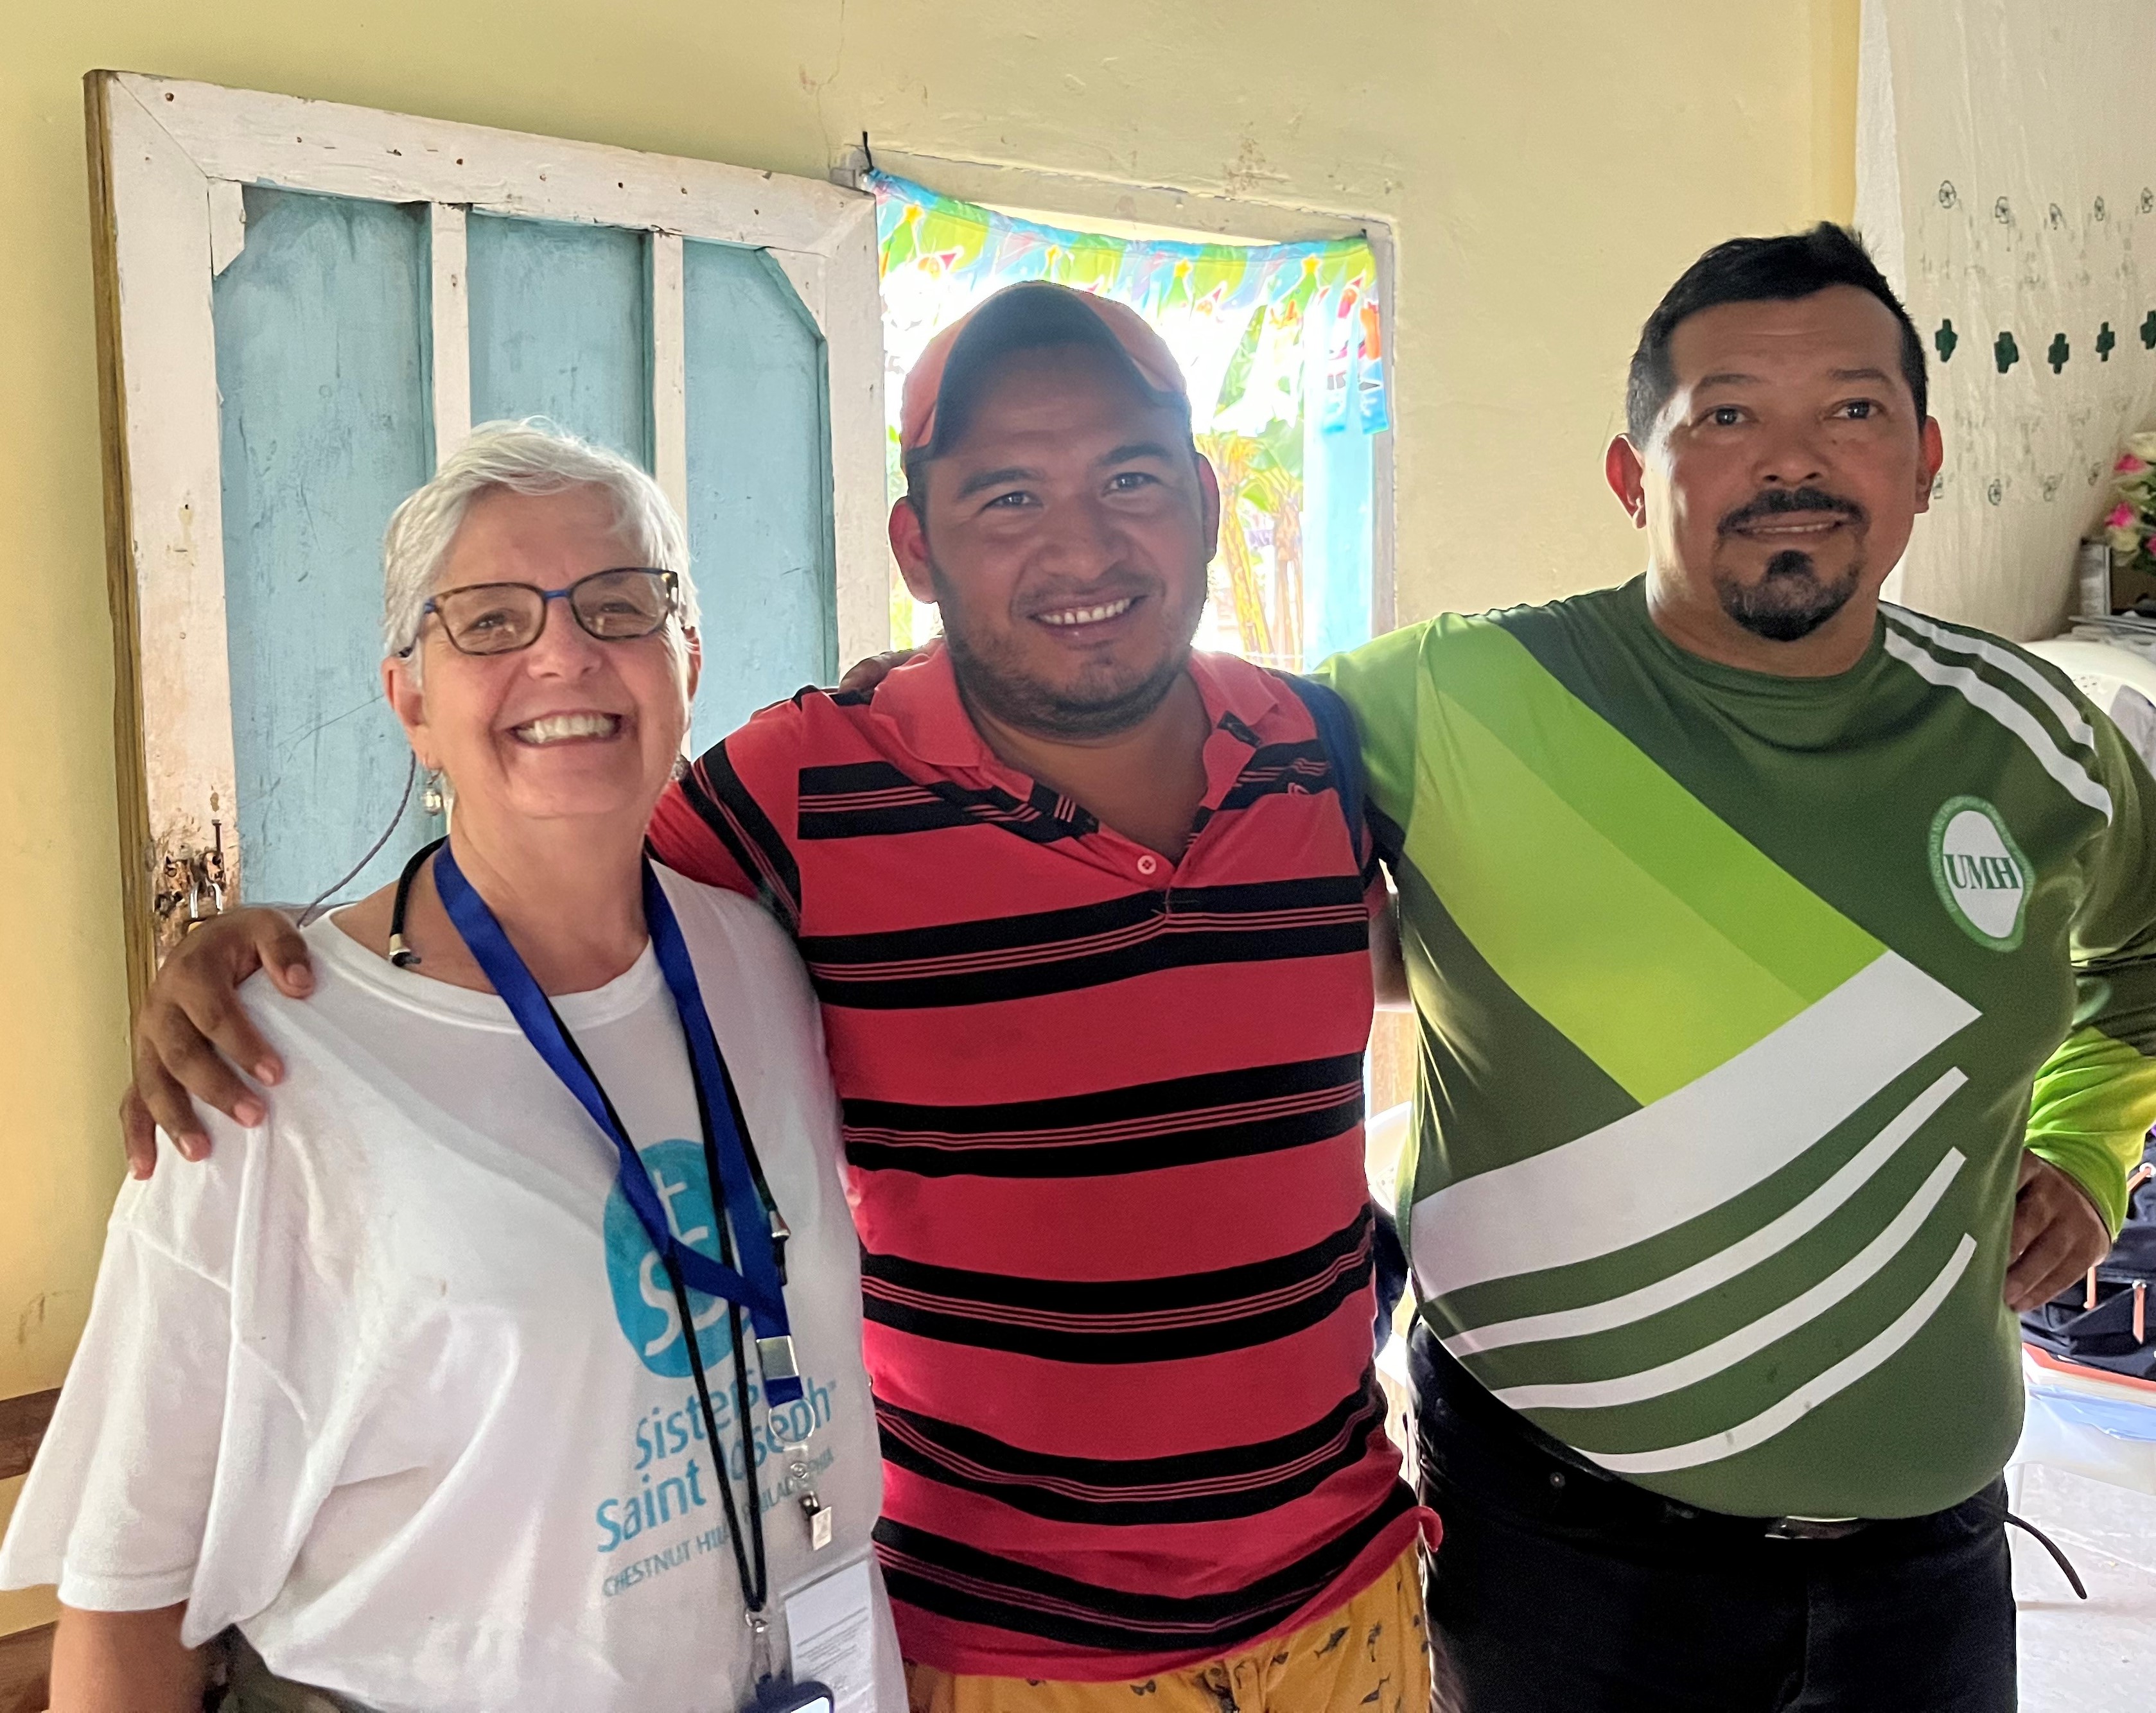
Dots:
pixel 1066 538
pixel 570 727
pixel 1783 478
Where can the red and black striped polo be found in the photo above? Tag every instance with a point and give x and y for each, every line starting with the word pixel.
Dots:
pixel 1103 1121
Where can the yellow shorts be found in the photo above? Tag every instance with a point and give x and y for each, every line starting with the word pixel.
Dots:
pixel 1372 1653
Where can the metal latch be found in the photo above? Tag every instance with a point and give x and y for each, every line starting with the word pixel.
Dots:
pixel 192 885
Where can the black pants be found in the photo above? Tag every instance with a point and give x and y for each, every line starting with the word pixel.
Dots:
pixel 247 1685
pixel 1559 1588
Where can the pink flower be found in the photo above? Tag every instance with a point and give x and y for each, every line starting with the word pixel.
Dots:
pixel 2121 517
pixel 2128 464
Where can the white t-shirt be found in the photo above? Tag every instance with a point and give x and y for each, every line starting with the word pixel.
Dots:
pixel 395 1383
pixel 2135 715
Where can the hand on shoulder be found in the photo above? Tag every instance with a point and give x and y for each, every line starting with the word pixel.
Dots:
pixel 193 1030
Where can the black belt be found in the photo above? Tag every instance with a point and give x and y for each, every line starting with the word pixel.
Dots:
pixel 1440 1379
pixel 1562 1476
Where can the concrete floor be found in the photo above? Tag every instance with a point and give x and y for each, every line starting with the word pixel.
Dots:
pixel 2097 1655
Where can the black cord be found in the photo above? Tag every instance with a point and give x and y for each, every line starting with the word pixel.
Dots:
pixel 400 954
pixel 780 1231
pixel 754 1578
pixel 411 778
pixel 750 1562
pixel 755 1586
pixel 769 1210
pixel 2051 1546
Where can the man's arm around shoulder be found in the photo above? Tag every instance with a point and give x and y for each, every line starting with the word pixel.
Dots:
pixel 193 1030
pixel 729 819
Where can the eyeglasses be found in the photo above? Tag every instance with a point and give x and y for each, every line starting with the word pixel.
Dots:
pixel 499 618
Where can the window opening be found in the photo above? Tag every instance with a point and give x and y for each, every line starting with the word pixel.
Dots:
pixel 1282 344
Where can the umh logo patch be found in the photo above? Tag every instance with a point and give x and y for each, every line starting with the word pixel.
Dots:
pixel 1981 874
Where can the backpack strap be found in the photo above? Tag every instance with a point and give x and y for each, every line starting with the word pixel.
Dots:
pixel 1343 756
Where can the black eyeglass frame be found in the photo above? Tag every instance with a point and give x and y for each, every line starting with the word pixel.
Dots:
pixel 668 580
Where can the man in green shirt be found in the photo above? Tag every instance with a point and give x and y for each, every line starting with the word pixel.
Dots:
pixel 1785 964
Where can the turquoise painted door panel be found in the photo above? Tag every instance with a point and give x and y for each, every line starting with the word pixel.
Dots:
pixel 561 327
pixel 760 527
pixel 321 336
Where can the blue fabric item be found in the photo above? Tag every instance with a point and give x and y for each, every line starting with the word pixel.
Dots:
pixel 1390 1262
pixel 1343 754
pixel 2121 1417
pixel 756 1287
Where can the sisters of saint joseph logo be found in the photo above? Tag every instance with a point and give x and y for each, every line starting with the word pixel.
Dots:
pixel 642 1295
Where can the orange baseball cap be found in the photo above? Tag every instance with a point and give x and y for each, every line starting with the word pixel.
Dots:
pixel 1021 318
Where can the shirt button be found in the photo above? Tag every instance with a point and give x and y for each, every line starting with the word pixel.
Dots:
pixel 1146 864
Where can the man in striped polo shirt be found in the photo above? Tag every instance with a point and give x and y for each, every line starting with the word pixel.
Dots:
pixel 1088 925
pixel 1786 967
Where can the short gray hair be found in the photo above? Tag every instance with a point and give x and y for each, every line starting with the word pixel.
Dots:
pixel 532 456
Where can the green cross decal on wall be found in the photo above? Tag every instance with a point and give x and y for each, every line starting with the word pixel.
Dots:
pixel 2059 352
pixel 2106 342
pixel 2148 332
pixel 1945 340
pixel 2006 353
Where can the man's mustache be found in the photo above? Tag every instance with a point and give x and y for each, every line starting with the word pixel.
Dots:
pixel 1774 501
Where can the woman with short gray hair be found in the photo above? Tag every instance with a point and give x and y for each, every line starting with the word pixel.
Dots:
pixel 513 1360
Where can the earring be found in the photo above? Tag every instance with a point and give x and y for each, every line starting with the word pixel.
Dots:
pixel 431 799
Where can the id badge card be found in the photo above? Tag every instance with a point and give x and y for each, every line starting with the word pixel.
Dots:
pixel 831 1630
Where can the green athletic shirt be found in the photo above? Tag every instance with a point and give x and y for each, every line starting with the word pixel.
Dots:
pixel 1738 997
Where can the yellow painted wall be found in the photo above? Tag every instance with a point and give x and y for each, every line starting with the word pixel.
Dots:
pixel 1549 166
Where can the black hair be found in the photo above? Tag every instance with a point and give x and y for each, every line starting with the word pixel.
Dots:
pixel 1756 270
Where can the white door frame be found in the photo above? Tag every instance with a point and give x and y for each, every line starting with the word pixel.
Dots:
pixel 168 159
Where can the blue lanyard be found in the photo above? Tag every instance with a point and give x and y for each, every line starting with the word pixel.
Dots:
pixel 756 1286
